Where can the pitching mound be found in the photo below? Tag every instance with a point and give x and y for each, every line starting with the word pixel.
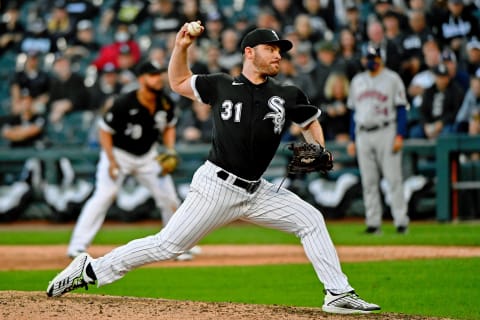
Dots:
pixel 35 306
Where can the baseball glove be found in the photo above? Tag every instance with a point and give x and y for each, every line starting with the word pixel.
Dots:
pixel 309 157
pixel 169 161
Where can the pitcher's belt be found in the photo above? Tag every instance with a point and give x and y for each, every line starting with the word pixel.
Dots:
pixel 250 187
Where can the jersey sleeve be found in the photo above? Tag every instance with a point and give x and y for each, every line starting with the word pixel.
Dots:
pixel 169 106
pixel 112 119
pixel 400 98
pixel 205 87
pixel 351 95
pixel 303 113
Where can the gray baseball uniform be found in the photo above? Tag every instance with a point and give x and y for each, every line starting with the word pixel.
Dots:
pixel 375 100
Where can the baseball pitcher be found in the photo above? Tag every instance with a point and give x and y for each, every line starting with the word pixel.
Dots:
pixel 249 113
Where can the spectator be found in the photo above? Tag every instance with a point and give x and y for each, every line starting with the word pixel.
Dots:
pixel 11 29
pixel 336 114
pixel 67 91
pixel 37 38
pixel 326 53
pixel 241 23
pixel 321 13
pixel 267 19
pixel 83 9
pixel 83 46
pixel 416 36
pixel 412 44
pixel 391 24
pixel 285 11
pixel 429 12
pixel 126 62
pixel 306 65
pixel 439 107
pixel 304 29
pixel 59 23
pixel 472 61
pixel 422 80
pixel 128 12
pixel 190 11
pixel 106 86
pixel 469 114
pixel 457 25
pixel 165 20
pixel 425 78
pixel 289 75
pixel 214 26
pixel 348 54
pixel 384 7
pixel 391 53
pixel 354 21
pixel 158 54
pixel 194 59
pixel 450 60
pixel 26 128
pixel 212 63
pixel 196 124
pixel 229 55
pixel 34 79
pixel 111 52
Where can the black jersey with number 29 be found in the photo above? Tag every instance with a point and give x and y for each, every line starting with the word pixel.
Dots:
pixel 249 120
pixel 133 127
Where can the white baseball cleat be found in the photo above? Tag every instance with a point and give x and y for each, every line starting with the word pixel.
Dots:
pixel 73 254
pixel 186 256
pixel 72 277
pixel 195 250
pixel 347 303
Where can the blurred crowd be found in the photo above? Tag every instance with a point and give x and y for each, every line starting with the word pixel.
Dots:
pixel 62 61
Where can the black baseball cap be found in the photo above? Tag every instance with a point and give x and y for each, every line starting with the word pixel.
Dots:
pixel 149 67
pixel 372 52
pixel 441 70
pixel 264 36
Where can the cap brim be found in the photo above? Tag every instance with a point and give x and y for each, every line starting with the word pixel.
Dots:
pixel 284 45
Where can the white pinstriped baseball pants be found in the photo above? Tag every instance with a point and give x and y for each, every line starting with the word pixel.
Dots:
pixel 212 203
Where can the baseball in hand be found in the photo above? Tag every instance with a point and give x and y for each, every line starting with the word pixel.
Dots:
pixel 194 28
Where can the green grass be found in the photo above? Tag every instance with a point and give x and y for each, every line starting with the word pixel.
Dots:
pixel 441 287
pixel 343 233
pixel 437 287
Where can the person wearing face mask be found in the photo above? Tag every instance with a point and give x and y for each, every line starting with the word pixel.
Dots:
pixel 378 125
pixel 110 52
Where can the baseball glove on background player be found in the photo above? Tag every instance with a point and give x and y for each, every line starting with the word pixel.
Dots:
pixel 309 157
pixel 169 161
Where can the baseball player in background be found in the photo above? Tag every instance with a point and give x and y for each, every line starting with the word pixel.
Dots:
pixel 128 135
pixel 378 126
pixel 249 113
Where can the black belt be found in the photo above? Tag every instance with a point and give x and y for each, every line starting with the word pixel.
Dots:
pixel 250 187
pixel 380 126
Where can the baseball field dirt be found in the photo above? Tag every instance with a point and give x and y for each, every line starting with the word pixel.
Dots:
pixel 36 305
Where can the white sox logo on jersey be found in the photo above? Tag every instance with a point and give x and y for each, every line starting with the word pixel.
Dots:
pixel 278 115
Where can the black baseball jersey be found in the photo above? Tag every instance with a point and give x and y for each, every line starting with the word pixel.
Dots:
pixel 249 120
pixel 133 127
